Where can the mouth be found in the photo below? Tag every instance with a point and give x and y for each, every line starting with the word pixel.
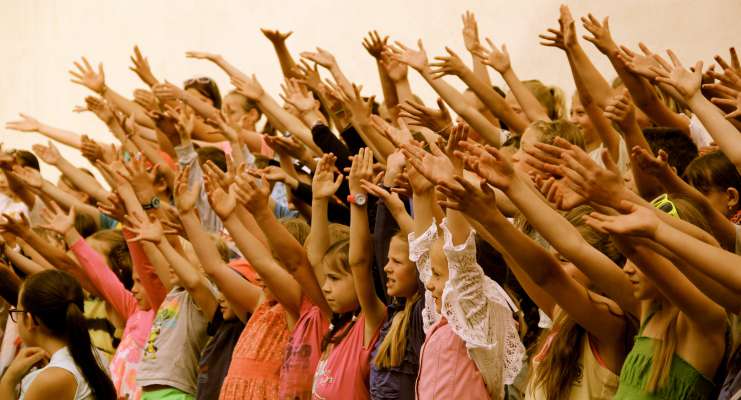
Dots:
pixel 390 283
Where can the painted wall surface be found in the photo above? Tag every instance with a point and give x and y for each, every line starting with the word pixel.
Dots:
pixel 40 40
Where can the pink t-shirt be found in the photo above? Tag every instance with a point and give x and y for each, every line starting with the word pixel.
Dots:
pixel 445 370
pixel 345 372
pixel 303 352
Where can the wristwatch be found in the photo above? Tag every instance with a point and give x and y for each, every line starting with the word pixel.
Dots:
pixel 359 199
pixel 153 204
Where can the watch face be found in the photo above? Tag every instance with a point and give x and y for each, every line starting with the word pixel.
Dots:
pixel 360 199
pixel 156 202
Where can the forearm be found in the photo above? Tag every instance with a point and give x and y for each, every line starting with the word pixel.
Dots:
pixel 390 98
pixel 530 105
pixel 381 146
pixel 494 102
pixel 287 64
pixel 458 103
pixel 68 201
pixel 318 240
pixel 68 138
pixel 403 91
pixel 82 181
pixel 360 258
pixel 25 264
pixel 128 107
pixel 723 132
pixel 423 205
pixel 648 186
pixel 593 80
pixel 292 124
pixel 285 246
pixel 710 260
pixel 204 109
pixel 189 277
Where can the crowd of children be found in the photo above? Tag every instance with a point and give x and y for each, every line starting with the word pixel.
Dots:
pixel 351 249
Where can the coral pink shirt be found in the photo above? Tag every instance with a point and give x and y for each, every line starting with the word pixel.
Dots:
pixel 344 374
pixel 303 352
pixel 445 370
pixel 124 363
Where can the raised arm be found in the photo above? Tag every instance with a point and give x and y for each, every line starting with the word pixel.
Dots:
pixel 278 39
pixel 496 169
pixel 50 155
pixel 187 273
pixel 418 60
pixel 323 187
pixel 242 295
pixel 452 64
pixel 28 123
pixel 360 257
pixel 687 84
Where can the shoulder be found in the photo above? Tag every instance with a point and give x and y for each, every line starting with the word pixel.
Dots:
pixel 52 382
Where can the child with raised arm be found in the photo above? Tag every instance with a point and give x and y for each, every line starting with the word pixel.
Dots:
pixel 133 306
pixel 169 364
pixel 473 350
pixel 344 365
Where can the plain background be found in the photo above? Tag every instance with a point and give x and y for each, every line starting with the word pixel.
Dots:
pixel 41 39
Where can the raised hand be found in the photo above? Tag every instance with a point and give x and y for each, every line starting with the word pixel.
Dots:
pixel 113 207
pixel 734 66
pixel 57 220
pixel 396 70
pixel 100 108
pixel 202 55
pixel 466 197
pixel 438 121
pixel 27 123
pixel 656 166
pixel 448 65
pixel 275 36
pixel 255 196
pixel 558 193
pixel 601 37
pixel 186 121
pixel 686 82
pixel 19 226
pixel 185 196
pixel 271 173
pixel 167 91
pixel 309 75
pixel 435 166
pixel 248 86
pixel 141 67
pixel 219 177
pixel 470 31
pixel 86 76
pixel 620 110
pixel 324 184
pixel 298 96
pixel 146 229
pixel 397 136
pixel 48 154
pixel 354 103
pixel 636 220
pixel 639 64
pixel 494 57
pixel 416 59
pixel 375 45
pixel 146 99
pixel 291 146
pixel 321 57
pixel 29 176
pixel 361 169
pixel 489 163
pixel 392 200
pixel 140 179
pixel 224 203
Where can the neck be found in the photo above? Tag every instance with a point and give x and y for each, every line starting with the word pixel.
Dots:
pixel 51 344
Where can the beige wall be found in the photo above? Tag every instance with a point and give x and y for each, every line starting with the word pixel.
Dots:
pixel 41 39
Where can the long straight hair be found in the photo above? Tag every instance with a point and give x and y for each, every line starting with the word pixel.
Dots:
pixel 54 298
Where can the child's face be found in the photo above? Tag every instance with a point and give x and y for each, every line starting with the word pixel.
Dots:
pixel 339 289
pixel 643 289
pixel 139 294
pixel 580 117
pixel 401 273
pixel 226 309
pixel 439 277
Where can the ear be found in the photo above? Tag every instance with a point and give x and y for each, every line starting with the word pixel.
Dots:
pixel 733 198
pixel 253 115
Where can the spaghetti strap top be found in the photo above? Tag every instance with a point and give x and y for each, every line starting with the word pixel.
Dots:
pixel 684 381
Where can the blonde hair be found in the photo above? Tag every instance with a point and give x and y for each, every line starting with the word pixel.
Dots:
pixel 552 98
pixel 391 350
pixel 549 130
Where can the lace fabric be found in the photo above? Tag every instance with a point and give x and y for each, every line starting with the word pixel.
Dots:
pixel 419 253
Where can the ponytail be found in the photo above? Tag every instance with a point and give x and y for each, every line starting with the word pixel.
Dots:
pixel 339 321
pixel 55 299
pixel 81 349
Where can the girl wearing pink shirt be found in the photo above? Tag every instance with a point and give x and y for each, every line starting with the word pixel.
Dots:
pixel 133 306
pixel 344 367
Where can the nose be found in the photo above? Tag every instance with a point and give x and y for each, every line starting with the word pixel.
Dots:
pixel 429 286
pixel 387 268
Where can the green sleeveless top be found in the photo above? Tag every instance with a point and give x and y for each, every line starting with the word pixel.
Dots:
pixel 684 382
